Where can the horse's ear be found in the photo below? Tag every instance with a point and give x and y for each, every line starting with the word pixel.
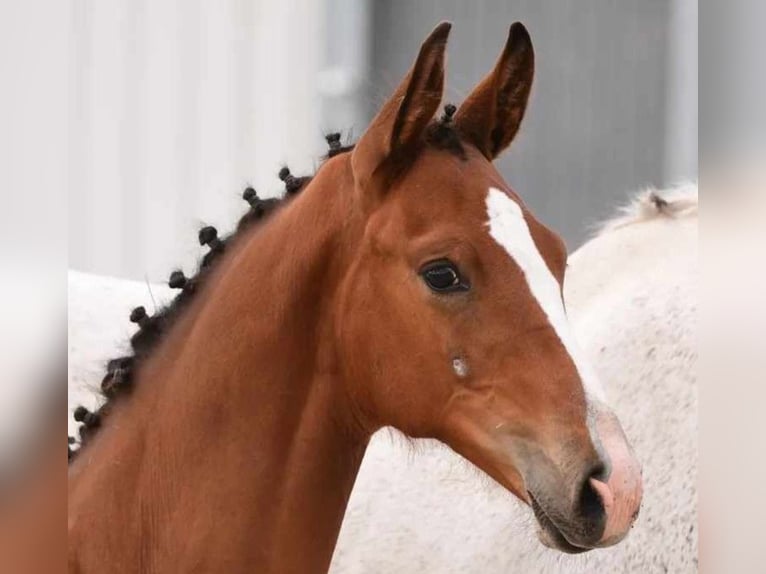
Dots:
pixel 491 115
pixel 401 121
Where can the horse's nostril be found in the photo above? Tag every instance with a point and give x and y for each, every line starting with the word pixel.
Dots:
pixel 589 503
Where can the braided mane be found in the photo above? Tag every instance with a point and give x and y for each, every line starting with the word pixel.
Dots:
pixel 120 371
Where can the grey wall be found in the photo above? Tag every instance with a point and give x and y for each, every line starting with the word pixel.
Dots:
pixel 175 106
pixel 596 127
pixel 734 83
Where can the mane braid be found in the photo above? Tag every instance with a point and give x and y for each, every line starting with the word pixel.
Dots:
pixel 443 134
pixel 121 371
pixel 336 147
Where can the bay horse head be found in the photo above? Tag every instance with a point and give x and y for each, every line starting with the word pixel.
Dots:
pixel 404 285
pixel 451 322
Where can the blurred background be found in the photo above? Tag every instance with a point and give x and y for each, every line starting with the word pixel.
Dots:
pixel 175 106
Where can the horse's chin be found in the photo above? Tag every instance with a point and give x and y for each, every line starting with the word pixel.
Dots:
pixel 549 534
pixel 551 537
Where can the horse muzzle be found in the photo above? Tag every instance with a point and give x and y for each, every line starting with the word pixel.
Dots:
pixel 601 507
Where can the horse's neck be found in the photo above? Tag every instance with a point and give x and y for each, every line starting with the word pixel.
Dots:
pixel 235 450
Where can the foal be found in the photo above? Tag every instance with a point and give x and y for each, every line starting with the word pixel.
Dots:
pixel 406 285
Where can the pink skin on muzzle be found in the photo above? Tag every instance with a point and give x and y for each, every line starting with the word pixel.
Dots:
pixel 622 492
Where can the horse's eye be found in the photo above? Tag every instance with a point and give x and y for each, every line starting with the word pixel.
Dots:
pixel 443 277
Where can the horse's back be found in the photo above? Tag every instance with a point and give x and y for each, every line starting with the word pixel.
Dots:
pixel 632 298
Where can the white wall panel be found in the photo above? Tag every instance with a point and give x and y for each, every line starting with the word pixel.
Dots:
pixel 178 105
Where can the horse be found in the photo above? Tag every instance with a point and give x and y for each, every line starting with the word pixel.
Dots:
pixel 409 496
pixel 404 285
pixel 631 295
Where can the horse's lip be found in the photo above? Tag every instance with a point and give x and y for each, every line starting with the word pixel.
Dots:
pixel 557 538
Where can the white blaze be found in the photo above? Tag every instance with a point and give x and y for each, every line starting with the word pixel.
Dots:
pixel 508 227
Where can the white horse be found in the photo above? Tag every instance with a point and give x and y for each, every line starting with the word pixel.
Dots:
pixel 99 329
pixel 631 293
